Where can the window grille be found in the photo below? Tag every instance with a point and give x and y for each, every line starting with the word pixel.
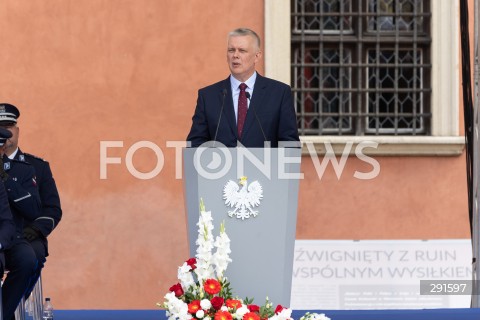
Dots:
pixel 361 67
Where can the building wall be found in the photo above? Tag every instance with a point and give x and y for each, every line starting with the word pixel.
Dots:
pixel 88 71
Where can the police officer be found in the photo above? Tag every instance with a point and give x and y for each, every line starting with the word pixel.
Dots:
pixel 7 227
pixel 35 231
pixel 25 205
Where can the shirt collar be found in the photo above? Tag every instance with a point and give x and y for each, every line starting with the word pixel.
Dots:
pixel 250 82
pixel 12 156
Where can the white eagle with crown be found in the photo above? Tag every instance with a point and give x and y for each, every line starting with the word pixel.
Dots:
pixel 243 197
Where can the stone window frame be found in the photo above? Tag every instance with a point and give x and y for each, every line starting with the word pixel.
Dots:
pixel 445 99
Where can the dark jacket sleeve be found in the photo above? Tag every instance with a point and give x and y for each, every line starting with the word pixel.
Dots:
pixel 51 211
pixel 199 132
pixel 23 193
pixel 7 227
pixel 288 128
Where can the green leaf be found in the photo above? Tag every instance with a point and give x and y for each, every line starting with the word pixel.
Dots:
pixel 248 300
pixel 226 291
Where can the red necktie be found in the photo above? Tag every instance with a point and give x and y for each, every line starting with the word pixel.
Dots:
pixel 242 109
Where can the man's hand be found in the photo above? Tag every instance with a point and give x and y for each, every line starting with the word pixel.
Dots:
pixel 31 233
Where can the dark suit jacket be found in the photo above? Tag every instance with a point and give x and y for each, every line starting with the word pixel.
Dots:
pixel 271 105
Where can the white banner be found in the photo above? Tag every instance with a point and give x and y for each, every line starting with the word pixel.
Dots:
pixel 377 274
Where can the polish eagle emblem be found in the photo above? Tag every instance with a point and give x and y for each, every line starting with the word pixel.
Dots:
pixel 242 197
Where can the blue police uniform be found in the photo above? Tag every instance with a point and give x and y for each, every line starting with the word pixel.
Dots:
pixel 38 220
pixel 25 205
pixel 7 227
pixel 36 231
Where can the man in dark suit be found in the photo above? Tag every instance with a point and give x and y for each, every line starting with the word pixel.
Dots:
pixel 246 108
pixel 35 231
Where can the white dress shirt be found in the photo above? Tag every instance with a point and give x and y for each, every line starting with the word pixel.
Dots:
pixel 236 90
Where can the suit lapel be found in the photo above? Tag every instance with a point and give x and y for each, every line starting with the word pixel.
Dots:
pixel 228 110
pixel 255 103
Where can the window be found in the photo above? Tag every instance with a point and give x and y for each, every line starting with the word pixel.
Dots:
pixel 361 67
pixel 375 84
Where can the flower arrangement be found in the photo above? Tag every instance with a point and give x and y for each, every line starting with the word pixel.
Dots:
pixel 204 293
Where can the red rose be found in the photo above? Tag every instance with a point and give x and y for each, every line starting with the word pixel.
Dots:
pixel 217 302
pixel 192 262
pixel 223 315
pixel 253 308
pixel 194 306
pixel 251 316
pixel 177 288
pixel 278 309
pixel 212 286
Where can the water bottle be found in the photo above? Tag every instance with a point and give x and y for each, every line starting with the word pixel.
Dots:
pixel 47 310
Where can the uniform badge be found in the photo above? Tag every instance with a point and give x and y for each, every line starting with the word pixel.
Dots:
pixel 6 166
pixel 21 157
pixel 2 111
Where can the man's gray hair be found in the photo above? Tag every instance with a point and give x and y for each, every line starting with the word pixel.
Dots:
pixel 245 32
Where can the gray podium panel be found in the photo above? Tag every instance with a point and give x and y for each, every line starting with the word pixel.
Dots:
pixel 262 245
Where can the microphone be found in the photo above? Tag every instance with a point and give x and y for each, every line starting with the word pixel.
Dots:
pixel 224 93
pixel 256 117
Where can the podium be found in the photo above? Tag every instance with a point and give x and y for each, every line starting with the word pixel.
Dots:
pixel 262 245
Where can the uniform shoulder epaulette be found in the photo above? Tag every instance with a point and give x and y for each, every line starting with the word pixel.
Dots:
pixel 34 156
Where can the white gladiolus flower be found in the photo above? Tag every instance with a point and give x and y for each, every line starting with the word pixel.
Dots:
pixel 221 257
pixel 185 276
pixel 204 242
pixel 177 309
pixel 184 268
pixel 200 314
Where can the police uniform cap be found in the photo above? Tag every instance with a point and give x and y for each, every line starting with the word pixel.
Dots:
pixel 8 113
pixel 4 135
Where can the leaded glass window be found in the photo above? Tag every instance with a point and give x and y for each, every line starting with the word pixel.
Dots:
pixel 361 67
